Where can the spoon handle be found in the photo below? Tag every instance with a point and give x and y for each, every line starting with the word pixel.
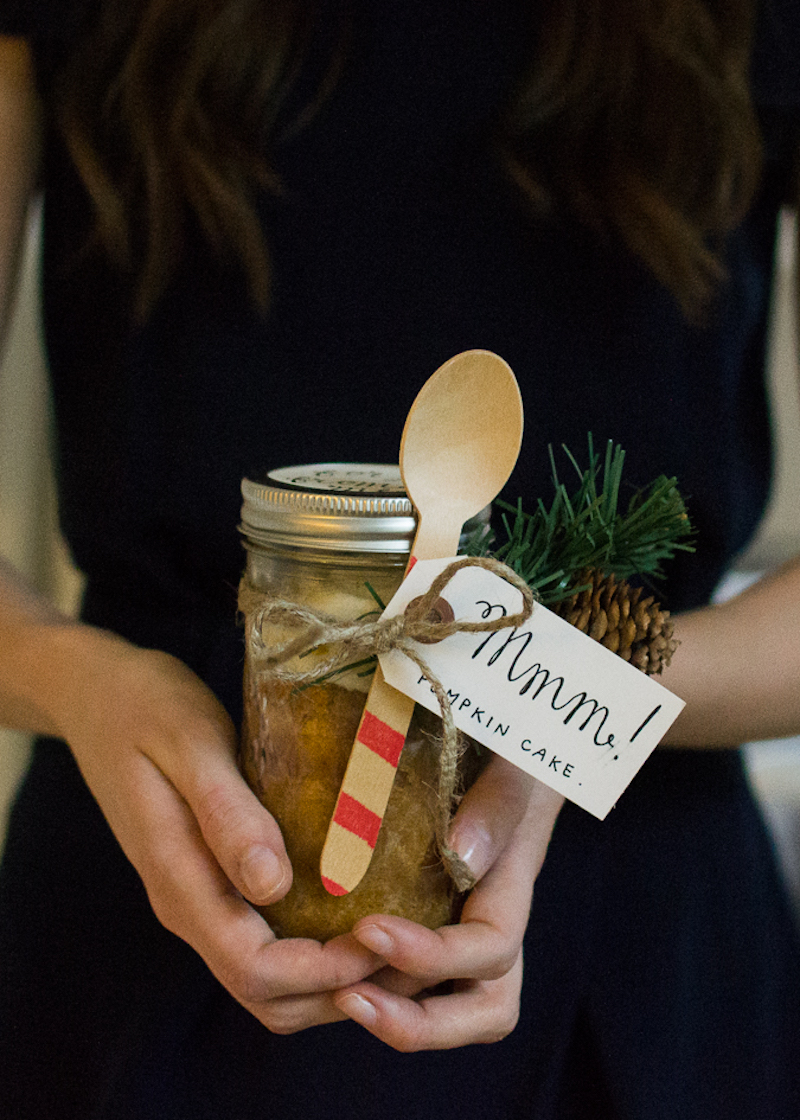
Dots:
pixel 366 787
pixel 371 769
pixel 460 442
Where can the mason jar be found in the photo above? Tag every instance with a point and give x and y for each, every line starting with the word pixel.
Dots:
pixel 333 538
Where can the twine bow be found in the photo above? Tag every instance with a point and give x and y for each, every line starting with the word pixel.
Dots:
pixel 344 643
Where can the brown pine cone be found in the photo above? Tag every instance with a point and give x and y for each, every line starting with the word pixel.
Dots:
pixel 616 615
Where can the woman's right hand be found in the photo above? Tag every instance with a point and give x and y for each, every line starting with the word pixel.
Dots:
pixel 157 750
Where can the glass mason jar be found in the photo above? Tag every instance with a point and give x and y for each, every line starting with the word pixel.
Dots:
pixel 334 538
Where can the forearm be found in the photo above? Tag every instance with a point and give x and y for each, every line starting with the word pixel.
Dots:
pixel 738 666
pixel 40 648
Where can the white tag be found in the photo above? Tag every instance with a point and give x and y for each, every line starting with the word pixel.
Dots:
pixel 544 696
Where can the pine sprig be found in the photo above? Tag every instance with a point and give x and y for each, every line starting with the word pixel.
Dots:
pixel 589 528
pixel 580 533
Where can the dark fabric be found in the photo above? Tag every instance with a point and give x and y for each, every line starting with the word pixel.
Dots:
pixel 661 976
pixel 661 963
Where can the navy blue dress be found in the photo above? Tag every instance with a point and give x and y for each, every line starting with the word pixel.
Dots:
pixel 661 961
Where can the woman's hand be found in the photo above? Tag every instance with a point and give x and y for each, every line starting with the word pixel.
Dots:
pixel 502 829
pixel 158 752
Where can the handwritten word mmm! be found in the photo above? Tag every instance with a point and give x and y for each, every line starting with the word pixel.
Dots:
pixel 536 677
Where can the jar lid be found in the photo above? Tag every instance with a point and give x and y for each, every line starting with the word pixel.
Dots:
pixel 347 507
pixel 356 507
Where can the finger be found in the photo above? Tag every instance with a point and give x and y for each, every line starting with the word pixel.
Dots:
pixel 185 731
pixel 485 944
pixel 518 864
pixel 193 897
pixel 244 837
pixel 474 950
pixel 399 983
pixel 288 1014
pixel 478 1012
pixel 489 813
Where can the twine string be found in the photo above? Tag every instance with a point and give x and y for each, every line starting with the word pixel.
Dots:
pixel 343 643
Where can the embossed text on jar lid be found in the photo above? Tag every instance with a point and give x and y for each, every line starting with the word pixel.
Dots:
pixel 357 507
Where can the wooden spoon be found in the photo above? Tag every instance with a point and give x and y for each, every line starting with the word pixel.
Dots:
pixel 460 443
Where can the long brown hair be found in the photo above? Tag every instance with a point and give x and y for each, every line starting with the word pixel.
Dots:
pixel 634 117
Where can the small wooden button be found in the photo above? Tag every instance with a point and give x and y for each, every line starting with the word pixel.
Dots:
pixel 441 612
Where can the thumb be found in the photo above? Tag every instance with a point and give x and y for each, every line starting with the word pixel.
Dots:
pixel 243 836
pixel 491 811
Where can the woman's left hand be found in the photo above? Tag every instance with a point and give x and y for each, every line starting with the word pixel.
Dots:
pixel 502 830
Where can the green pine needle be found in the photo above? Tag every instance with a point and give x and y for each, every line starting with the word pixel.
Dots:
pixel 585 528
pixel 590 528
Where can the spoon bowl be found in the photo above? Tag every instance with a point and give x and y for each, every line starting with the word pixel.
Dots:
pixel 460 442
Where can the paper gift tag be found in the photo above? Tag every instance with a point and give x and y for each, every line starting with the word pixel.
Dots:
pixel 545 696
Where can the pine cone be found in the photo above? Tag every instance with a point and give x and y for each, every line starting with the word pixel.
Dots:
pixel 616 615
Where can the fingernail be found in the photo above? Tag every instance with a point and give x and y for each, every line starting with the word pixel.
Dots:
pixel 358 1009
pixel 474 846
pixel 376 939
pixel 263 874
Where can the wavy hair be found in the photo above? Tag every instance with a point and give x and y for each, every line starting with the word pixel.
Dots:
pixel 633 116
